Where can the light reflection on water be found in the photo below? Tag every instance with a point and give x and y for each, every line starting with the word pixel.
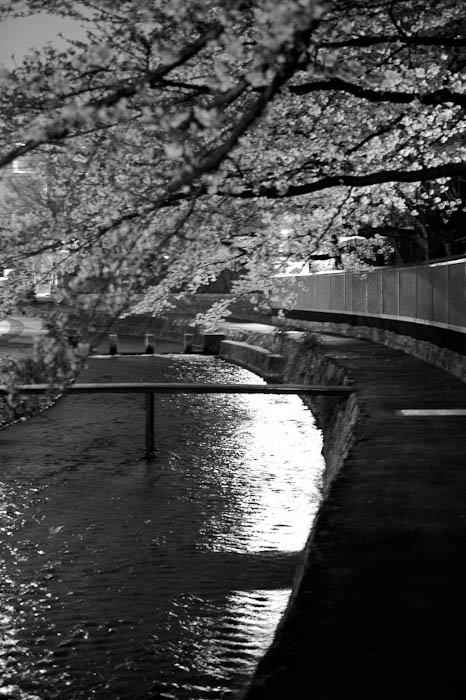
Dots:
pixel 127 580
pixel 281 462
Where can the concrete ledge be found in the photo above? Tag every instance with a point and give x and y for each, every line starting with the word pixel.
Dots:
pixel 205 343
pixel 437 355
pixel 259 360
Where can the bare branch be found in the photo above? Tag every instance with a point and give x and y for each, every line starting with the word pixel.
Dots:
pixel 446 170
pixel 442 96
pixel 384 129
pixel 60 129
pixel 366 41
pixel 291 62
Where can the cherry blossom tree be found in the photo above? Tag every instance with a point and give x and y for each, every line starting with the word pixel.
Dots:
pixel 186 136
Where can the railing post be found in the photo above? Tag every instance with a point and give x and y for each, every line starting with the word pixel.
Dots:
pixel 188 343
pixel 112 343
pixel 149 344
pixel 150 441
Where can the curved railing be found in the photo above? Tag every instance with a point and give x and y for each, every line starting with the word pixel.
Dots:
pixel 431 295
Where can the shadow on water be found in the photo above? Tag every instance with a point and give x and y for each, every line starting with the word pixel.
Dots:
pixel 129 580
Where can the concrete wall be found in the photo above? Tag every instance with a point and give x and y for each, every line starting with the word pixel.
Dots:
pixel 258 359
pixel 296 358
pixel 430 352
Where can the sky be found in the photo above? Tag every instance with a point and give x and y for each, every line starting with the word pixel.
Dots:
pixel 19 35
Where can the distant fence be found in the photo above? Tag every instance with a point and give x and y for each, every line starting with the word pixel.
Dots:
pixel 428 295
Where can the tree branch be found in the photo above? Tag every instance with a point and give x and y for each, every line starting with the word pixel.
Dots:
pixel 411 40
pixel 441 96
pixel 454 169
pixel 384 129
pixel 291 62
pixel 61 128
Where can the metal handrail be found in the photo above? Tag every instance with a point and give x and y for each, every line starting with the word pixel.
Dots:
pixel 152 388
pixel 183 387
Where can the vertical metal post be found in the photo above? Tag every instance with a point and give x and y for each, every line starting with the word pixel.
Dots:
pixel 366 293
pixel 398 291
pixel 112 343
pixel 149 344
pixel 188 343
pixel 150 439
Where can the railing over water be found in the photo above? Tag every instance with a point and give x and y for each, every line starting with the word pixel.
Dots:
pixel 152 388
pixel 429 294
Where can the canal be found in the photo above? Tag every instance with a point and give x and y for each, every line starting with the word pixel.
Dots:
pixel 128 579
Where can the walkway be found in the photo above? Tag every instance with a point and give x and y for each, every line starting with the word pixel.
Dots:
pixel 380 612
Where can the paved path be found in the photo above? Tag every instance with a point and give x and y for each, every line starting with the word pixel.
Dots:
pixel 380 612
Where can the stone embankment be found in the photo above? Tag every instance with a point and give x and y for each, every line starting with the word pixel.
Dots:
pixel 377 608
pixel 296 358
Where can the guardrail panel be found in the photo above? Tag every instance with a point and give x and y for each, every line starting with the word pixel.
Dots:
pixel 407 293
pixel 359 293
pixel 374 292
pixel 323 298
pixel 348 292
pixel 305 294
pixel 313 292
pixel 456 295
pixel 337 292
pixel 440 294
pixel 424 293
pixel 299 292
pixel 390 292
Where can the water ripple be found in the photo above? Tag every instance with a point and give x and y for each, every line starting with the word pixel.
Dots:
pixel 126 580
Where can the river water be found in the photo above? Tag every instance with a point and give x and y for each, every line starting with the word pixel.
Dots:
pixel 128 579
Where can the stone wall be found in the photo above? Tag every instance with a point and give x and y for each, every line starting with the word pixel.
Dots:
pixel 443 358
pixel 297 358
pixel 268 364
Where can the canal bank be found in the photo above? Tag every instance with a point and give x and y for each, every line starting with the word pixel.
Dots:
pixel 378 607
